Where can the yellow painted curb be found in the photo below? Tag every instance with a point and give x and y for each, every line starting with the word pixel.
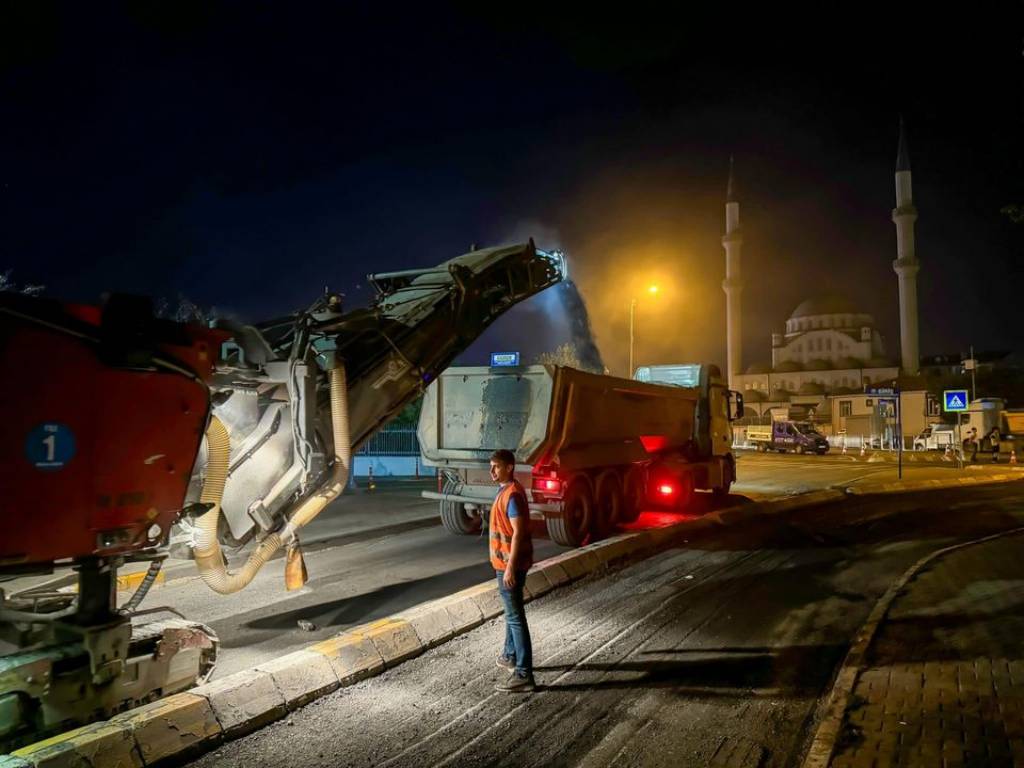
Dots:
pixel 97 744
pixel 352 656
pixel 394 639
pixel 170 727
pixel 129 581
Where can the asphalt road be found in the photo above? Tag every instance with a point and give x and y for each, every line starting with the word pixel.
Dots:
pixel 712 653
pixel 360 571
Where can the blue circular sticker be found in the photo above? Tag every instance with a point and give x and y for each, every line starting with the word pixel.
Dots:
pixel 50 446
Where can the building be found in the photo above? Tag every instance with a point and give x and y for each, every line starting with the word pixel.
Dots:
pixel 828 346
pixel 860 416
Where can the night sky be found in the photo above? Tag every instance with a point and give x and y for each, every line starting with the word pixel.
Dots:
pixel 244 155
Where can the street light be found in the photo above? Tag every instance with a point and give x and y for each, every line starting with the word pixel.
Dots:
pixel 653 291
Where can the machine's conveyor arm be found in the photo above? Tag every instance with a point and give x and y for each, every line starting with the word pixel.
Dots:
pixel 420 321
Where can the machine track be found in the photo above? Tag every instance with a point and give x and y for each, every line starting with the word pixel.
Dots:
pixel 46 691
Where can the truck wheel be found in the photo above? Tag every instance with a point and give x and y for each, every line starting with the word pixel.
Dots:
pixel 685 491
pixel 454 516
pixel 607 504
pixel 573 527
pixel 633 495
pixel 730 477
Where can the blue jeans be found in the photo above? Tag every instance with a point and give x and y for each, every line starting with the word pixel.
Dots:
pixel 517 633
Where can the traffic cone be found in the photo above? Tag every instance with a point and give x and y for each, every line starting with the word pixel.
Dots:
pixel 844 447
pixel 1013 456
pixel 862 451
pixel 948 455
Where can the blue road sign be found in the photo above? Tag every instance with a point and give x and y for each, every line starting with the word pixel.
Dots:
pixel 882 391
pixel 954 400
pixel 504 359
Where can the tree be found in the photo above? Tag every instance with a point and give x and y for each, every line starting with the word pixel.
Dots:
pixel 186 311
pixel 1014 212
pixel 7 285
pixel 409 416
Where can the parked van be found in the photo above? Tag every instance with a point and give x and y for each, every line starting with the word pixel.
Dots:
pixel 935 437
pixel 784 436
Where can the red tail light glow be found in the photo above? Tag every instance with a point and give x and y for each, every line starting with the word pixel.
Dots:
pixel 654 443
pixel 550 485
pixel 666 490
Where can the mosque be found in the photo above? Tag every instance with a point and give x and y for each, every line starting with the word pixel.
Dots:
pixel 828 347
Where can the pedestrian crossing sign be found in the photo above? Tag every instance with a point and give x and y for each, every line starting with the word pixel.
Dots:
pixel 954 400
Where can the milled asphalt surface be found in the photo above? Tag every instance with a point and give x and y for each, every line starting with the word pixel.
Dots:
pixel 401 556
pixel 713 653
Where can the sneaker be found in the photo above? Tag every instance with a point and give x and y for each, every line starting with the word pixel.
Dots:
pixel 504 662
pixel 517 684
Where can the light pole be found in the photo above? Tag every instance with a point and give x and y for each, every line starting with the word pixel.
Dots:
pixel 653 290
pixel 632 316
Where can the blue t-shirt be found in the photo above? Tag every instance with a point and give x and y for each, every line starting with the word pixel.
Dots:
pixel 513 506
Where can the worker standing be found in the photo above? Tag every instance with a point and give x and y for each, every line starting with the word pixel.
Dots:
pixel 511 548
pixel 993 437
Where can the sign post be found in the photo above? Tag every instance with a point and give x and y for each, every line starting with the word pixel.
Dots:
pixel 899 436
pixel 891 395
pixel 955 401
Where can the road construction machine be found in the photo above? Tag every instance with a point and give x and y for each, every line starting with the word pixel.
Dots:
pixel 119 425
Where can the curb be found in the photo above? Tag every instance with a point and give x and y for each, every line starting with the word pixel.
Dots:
pixel 187 724
pixel 903 486
pixel 819 754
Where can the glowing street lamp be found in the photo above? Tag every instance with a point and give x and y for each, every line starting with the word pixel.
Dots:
pixel 653 291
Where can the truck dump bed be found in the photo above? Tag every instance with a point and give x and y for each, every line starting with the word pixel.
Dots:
pixel 551 415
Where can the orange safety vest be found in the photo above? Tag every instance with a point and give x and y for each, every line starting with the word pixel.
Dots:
pixel 501 530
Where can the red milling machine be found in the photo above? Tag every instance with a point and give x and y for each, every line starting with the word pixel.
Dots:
pixel 119 425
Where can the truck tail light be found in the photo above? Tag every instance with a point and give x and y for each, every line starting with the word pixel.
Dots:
pixel 549 486
pixel 665 489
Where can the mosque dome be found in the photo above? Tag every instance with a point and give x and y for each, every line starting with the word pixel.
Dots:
pixel 824 305
pixel 825 312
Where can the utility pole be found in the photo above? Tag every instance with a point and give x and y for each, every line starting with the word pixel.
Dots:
pixel 974 365
pixel 632 316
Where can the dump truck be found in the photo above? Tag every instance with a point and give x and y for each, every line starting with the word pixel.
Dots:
pixel 592 451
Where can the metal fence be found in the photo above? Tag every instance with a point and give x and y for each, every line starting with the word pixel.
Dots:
pixel 392 441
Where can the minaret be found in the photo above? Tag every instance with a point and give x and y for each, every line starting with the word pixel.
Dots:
pixel 906 265
pixel 732 241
